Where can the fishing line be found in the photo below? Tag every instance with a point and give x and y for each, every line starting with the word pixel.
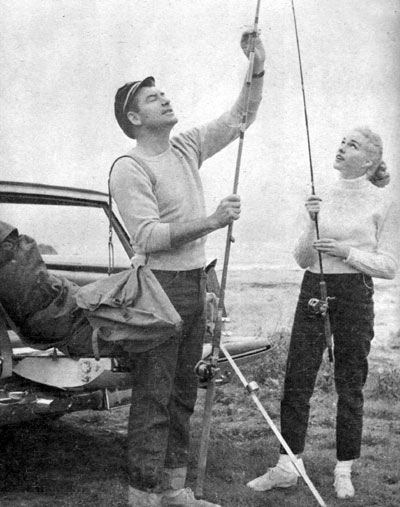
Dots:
pixel 324 296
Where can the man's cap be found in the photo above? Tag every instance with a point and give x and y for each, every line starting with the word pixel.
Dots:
pixel 6 230
pixel 123 99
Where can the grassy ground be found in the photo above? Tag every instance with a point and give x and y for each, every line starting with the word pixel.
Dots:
pixel 79 460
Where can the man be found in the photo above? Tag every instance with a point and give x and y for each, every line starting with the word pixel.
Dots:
pixel 160 198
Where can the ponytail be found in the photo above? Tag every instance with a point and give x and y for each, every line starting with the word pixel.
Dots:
pixel 381 177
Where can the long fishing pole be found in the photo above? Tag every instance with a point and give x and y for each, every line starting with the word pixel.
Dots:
pixel 321 306
pixel 206 427
pixel 252 388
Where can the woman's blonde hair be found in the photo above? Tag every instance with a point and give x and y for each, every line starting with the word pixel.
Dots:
pixel 380 176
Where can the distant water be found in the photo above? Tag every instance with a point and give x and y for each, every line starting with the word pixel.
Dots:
pixel 254 255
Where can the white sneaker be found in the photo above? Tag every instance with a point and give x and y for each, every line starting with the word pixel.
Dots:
pixel 278 477
pixel 138 498
pixel 184 498
pixel 343 485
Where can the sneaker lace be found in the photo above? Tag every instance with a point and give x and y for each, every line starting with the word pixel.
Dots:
pixel 281 469
pixel 188 493
pixel 185 494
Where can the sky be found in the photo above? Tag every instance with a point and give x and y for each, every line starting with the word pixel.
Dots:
pixel 63 60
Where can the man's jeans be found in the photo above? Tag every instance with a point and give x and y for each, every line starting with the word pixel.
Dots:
pixel 352 318
pixel 165 386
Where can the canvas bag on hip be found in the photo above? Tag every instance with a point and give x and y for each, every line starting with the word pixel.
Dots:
pixel 130 306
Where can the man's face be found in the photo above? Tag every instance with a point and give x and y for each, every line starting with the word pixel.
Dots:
pixel 153 109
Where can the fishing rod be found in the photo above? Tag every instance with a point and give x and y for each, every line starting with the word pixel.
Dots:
pixel 319 306
pixel 252 388
pixel 209 370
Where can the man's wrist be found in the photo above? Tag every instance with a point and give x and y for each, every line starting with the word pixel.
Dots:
pixel 212 224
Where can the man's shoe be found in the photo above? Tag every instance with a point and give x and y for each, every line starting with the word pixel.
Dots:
pixel 343 485
pixel 278 477
pixel 184 498
pixel 138 498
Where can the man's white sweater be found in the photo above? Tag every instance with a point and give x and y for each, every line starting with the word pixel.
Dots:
pixel 169 189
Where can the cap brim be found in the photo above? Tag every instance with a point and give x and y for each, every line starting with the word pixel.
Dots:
pixel 148 81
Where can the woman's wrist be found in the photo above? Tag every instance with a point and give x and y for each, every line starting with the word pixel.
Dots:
pixel 345 252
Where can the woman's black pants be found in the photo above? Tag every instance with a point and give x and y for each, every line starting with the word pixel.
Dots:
pixel 351 315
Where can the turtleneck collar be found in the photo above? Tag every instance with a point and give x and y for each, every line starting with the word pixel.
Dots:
pixel 355 183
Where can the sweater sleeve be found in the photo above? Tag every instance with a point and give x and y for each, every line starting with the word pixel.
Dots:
pixel 212 137
pixel 383 262
pixel 132 190
pixel 304 253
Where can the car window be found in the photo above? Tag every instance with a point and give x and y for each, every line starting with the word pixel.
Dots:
pixel 76 232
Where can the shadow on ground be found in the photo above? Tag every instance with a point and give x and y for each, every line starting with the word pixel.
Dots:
pixel 45 463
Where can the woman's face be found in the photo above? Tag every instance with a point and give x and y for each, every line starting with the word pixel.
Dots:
pixel 352 158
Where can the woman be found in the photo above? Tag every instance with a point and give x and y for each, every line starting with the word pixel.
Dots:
pixel 358 230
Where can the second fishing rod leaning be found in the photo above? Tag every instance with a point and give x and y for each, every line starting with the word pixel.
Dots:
pixel 212 366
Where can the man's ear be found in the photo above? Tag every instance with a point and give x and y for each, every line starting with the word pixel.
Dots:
pixel 134 118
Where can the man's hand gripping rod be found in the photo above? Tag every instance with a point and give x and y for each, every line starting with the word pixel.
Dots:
pixel 320 306
pixel 206 426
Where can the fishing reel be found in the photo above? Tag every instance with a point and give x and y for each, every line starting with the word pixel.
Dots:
pixel 319 306
pixel 205 370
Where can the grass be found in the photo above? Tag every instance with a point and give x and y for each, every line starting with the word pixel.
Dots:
pixel 79 460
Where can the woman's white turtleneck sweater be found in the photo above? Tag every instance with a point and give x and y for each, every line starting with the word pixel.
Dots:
pixel 362 216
